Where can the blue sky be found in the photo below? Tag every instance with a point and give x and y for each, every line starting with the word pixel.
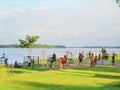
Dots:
pixel 61 22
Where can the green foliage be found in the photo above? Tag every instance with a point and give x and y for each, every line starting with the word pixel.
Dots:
pixel 117 1
pixel 28 42
pixel 23 43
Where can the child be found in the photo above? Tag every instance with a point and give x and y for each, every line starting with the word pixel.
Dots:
pixel 92 60
pixel 95 60
pixel 61 63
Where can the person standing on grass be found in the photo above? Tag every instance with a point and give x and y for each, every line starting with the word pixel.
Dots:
pixel 4 59
pixel 92 60
pixel 113 59
pixel 16 64
pixel 95 60
pixel 99 57
pixel 80 58
pixel 61 63
pixel 29 61
pixel 64 60
pixel 53 60
pixel 89 54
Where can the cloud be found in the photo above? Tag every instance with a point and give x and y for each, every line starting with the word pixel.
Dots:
pixel 45 9
pixel 4 14
pixel 7 14
pixel 22 11
pixel 30 32
pixel 74 22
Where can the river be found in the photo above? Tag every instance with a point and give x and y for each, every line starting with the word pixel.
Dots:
pixel 17 54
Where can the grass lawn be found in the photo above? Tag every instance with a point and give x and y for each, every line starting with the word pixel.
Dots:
pixel 87 78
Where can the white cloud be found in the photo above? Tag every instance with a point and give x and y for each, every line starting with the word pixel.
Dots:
pixel 65 21
pixel 30 32
pixel 40 9
pixel 7 14
pixel 4 14
pixel 20 10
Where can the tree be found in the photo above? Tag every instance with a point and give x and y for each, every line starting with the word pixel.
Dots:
pixel 28 43
pixel 118 2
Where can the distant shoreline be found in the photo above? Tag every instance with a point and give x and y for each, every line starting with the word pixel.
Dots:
pixel 68 47
pixel 35 46
pixel 116 47
pixel 57 46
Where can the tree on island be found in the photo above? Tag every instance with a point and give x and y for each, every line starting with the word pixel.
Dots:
pixel 28 43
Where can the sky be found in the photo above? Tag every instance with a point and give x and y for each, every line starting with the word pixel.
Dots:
pixel 61 22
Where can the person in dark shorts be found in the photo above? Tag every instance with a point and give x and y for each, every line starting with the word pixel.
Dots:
pixel 113 59
pixel 53 60
pixel 80 58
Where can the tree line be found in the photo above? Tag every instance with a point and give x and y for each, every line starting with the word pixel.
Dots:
pixel 34 46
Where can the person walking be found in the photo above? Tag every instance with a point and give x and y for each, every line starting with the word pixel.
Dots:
pixel 29 61
pixel 113 59
pixel 80 58
pixel 95 60
pixel 53 60
pixel 3 58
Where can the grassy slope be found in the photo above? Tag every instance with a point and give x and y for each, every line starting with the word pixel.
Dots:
pixel 98 78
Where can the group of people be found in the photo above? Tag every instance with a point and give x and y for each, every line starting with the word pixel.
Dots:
pixel 62 60
pixel 94 59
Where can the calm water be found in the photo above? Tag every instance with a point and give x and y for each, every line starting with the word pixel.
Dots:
pixel 17 54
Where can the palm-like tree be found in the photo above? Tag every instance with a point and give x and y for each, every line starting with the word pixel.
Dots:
pixel 28 43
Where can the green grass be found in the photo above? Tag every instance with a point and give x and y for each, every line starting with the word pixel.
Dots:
pixel 96 78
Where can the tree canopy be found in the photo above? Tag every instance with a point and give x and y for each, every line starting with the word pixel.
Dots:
pixel 28 42
pixel 118 2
